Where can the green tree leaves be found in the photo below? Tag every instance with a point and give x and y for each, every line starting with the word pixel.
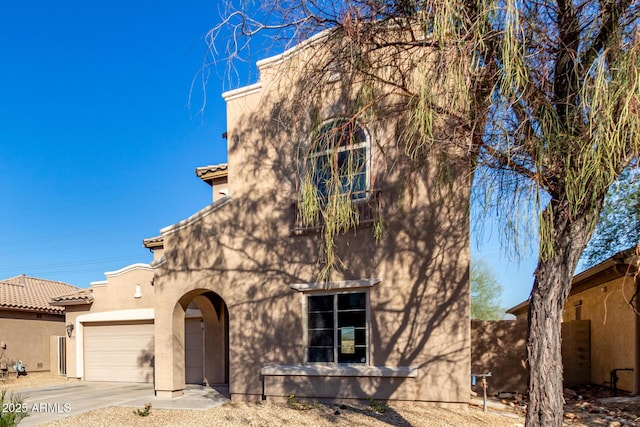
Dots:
pixel 485 293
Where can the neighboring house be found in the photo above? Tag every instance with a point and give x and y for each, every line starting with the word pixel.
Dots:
pixel 233 293
pixel 28 322
pixel 601 327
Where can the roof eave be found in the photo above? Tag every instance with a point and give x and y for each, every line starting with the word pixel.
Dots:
pixel 65 303
pixel 32 309
pixel 518 308
pixel 625 257
pixel 154 243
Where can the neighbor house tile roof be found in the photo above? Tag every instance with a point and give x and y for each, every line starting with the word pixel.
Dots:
pixel 26 293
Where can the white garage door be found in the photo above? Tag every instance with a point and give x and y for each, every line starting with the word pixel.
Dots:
pixel 118 351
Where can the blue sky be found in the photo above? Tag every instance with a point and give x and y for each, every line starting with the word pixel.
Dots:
pixel 98 141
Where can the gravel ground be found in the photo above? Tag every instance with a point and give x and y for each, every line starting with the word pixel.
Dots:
pixel 31 380
pixel 578 413
pixel 273 414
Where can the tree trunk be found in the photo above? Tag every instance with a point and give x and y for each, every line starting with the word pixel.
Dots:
pixel 551 288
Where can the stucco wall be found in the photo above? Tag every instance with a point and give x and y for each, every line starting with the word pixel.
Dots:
pixel 118 292
pixel 28 337
pixel 244 251
pixel 612 326
pixel 72 312
pixel 418 317
pixel 499 347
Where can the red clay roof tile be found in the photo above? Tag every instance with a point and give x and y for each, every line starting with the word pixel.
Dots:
pixel 26 293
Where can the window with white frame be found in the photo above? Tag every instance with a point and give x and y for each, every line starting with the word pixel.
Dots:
pixel 337 327
pixel 340 149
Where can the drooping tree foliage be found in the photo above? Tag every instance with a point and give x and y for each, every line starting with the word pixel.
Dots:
pixel 543 97
pixel 619 223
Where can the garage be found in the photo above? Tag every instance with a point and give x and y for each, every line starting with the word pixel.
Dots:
pixel 119 351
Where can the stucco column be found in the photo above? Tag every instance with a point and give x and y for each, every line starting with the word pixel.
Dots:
pixel 169 352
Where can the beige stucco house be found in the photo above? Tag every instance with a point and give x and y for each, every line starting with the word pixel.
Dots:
pixel 232 296
pixel 601 324
pixel 31 327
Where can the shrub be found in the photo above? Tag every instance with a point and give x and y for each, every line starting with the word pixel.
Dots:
pixel 12 409
pixel 379 407
pixel 143 412
pixel 293 403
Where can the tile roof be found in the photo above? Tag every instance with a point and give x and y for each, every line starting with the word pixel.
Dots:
pixel 26 293
pixel 153 242
pixel 83 296
pixel 209 169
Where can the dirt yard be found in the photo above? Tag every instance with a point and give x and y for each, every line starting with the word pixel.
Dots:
pixel 584 408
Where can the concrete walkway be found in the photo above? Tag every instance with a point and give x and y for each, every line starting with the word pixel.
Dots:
pixel 52 403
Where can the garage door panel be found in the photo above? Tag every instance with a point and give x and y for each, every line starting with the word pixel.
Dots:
pixel 119 352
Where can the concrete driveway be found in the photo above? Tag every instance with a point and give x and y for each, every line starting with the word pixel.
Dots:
pixel 59 401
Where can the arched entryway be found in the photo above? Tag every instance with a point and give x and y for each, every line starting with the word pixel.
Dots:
pixel 171 316
pixel 206 340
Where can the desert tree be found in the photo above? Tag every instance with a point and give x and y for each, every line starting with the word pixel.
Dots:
pixel 485 292
pixel 541 97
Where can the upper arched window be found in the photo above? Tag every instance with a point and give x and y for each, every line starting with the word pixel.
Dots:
pixel 339 159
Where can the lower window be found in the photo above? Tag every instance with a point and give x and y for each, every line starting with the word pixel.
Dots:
pixel 337 328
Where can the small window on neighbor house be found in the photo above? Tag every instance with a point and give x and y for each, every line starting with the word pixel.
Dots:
pixel 340 150
pixel 337 328
pixel 578 309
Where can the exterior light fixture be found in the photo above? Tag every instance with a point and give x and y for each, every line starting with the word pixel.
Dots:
pixel 69 329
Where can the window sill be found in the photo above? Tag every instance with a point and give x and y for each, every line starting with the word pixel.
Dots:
pixel 335 286
pixel 339 371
